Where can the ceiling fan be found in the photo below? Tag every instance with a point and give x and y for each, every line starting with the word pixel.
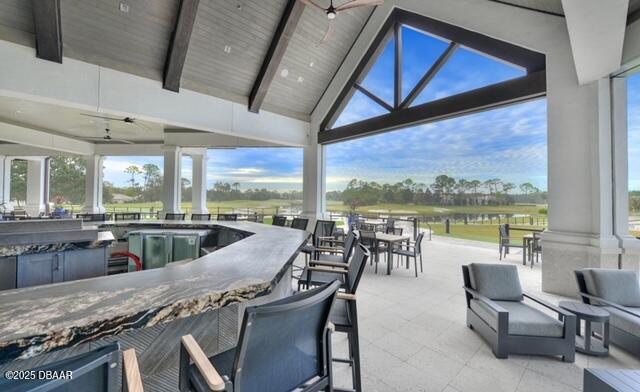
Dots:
pixel 108 138
pixel 126 120
pixel 332 11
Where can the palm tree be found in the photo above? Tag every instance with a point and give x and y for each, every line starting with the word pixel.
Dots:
pixel 133 170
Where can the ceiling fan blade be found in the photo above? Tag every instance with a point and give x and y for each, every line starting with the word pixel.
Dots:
pixel 312 4
pixel 358 3
pixel 142 126
pixel 121 141
pixel 329 33
pixel 102 117
pixel 102 139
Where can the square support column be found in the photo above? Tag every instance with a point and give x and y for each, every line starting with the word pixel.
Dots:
pixel 314 179
pixel 580 232
pixel 172 186
pixel 199 181
pixel 5 183
pixel 35 186
pixel 94 185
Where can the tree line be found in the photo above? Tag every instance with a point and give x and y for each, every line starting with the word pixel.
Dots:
pixel 445 190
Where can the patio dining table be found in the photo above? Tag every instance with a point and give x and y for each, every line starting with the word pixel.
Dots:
pixel 390 239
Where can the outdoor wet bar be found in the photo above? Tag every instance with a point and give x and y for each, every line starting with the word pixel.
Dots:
pixel 149 310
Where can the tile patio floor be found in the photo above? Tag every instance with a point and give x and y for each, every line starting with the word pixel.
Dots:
pixel 414 336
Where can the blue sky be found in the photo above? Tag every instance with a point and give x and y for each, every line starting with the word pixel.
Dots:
pixel 508 143
pixel 633 115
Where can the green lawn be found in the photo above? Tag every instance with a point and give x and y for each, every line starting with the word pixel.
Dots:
pixel 411 209
pixel 479 232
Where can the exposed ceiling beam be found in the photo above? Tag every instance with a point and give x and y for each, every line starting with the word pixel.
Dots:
pixel 512 91
pixel 596 32
pixel 181 137
pixel 47 23
pixel 179 44
pixel 524 7
pixel 41 139
pixel 277 49
pixel 397 65
pixel 428 76
pixel 373 97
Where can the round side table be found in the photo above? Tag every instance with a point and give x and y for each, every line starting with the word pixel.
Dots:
pixel 590 314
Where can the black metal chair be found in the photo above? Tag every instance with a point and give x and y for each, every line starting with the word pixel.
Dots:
pixel 344 312
pixel 300 223
pixel 322 231
pixel 337 257
pixel 411 250
pixel 92 217
pixel 368 239
pixel 254 217
pixel 283 346
pixel 96 370
pixel 173 216
pixel 228 217
pixel 200 217
pixel 124 216
pixel 279 220
pixel 506 242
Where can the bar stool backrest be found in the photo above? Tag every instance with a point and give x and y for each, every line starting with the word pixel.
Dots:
pixel 324 228
pixel 283 344
pixel 419 243
pixel 349 243
pixel 356 267
pixel 92 217
pixel 200 217
pixel 173 216
pixel 227 217
pixel 96 370
pixel 121 216
pixel 279 220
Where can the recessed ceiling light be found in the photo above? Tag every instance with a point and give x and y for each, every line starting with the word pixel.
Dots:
pixel 239 7
pixel 124 8
pixel 227 49
pixel 284 73
pixel 311 64
pixel 91 121
pixel 18 111
pixel 300 79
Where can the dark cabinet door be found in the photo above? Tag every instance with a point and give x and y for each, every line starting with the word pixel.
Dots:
pixel 85 263
pixel 41 268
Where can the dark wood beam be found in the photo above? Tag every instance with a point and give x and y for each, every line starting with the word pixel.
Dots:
pixel 509 92
pixel 48 31
pixel 273 58
pixel 179 44
pixel 373 97
pixel 397 65
pixel 429 75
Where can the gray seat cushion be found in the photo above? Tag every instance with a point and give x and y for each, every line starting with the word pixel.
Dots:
pixel 618 286
pixel 624 321
pixel 498 282
pixel 523 319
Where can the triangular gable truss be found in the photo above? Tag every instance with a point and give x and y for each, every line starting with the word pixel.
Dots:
pixel 401 113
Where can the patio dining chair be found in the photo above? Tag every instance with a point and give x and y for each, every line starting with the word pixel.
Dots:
pixel 496 310
pixel 300 223
pixel 283 346
pixel 411 250
pixel 344 312
pixel 227 217
pixel 536 248
pixel 92 217
pixel 369 241
pixel 200 217
pixel 125 216
pixel 505 242
pixel 174 217
pixel 322 231
pixel 96 370
pixel 279 220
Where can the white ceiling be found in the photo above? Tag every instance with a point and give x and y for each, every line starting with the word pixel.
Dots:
pixel 67 121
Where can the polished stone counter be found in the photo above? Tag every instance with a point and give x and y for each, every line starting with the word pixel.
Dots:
pixel 105 238
pixel 41 319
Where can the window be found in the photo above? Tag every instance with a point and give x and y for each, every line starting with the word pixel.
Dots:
pixel 633 145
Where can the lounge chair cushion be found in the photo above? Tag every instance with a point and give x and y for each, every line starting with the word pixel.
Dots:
pixel 624 321
pixel 618 286
pixel 498 282
pixel 523 319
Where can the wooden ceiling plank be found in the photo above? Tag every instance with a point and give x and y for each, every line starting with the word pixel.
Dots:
pixel 179 44
pixel 290 18
pixel 47 22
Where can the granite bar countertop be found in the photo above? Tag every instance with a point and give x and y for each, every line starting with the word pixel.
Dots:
pixel 44 318
pixel 105 238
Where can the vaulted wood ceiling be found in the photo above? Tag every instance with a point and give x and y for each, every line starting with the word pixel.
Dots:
pixel 554 6
pixel 227 47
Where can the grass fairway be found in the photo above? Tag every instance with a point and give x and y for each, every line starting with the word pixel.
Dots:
pixel 479 232
pixel 412 209
pixel 225 206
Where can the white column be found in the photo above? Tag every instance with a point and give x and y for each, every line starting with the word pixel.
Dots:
pixel 35 186
pixel 172 174
pixel 314 179
pixel 199 182
pixel 580 232
pixel 630 257
pixel 93 185
pixel 5 183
